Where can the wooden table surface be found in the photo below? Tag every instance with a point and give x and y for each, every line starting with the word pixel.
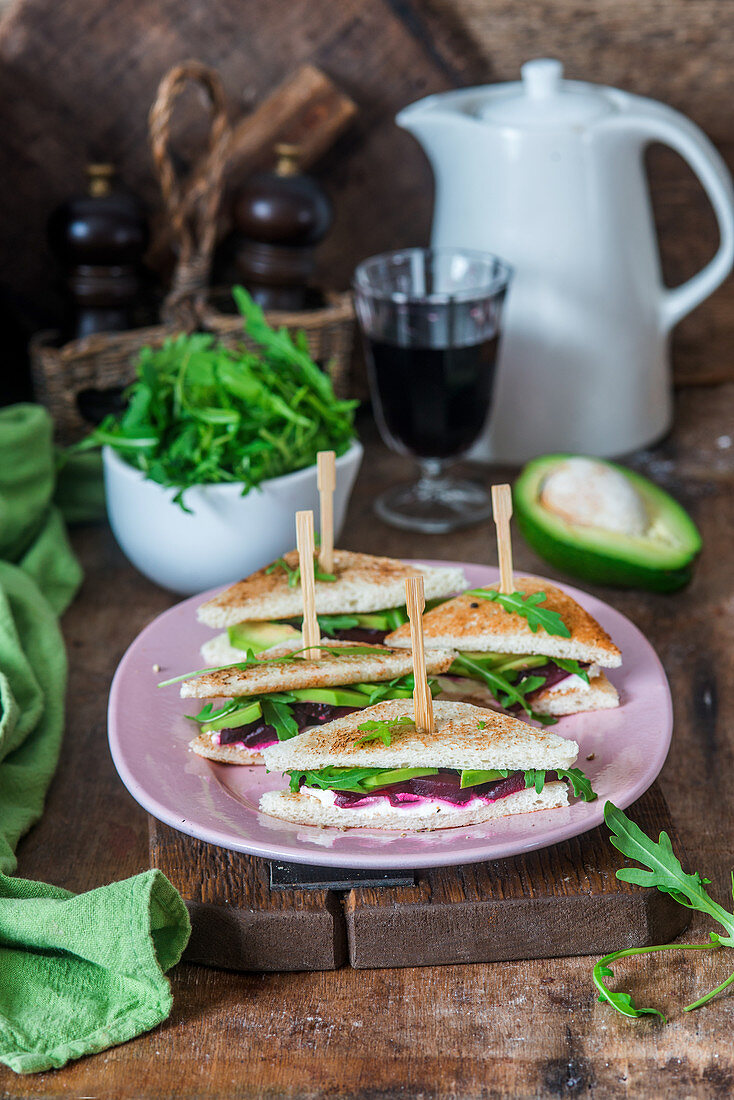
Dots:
pixel 513 1029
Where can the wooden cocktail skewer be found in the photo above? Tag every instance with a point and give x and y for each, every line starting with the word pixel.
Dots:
pixel 415 602
pixel 305 544
pixel 502 510
pixel 326 475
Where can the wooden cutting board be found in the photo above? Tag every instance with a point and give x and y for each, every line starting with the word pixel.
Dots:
pixel 563 900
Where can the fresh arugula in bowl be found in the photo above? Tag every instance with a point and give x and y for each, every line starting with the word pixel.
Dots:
pixel 201 413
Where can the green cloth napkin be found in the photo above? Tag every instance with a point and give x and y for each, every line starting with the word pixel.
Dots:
pixel 77 973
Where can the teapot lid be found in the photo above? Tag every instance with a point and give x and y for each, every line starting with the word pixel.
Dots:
pixel 544 99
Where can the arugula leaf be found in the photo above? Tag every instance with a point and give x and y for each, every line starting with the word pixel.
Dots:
pixel 278 714
pixel 382 730
pixel 330 624
pixel 663 870
pixel 249 660
pixel 401 687
pixel 348 651
pixel 294 575
pixel 505 690
pixel 296 655
pixel 208 714
pixel 571 666
pixel 535 777
pixel 519 604
pixel 200 412
pixel 581 783
pixel 332 778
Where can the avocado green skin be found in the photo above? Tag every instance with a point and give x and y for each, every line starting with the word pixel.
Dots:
pixel 569 556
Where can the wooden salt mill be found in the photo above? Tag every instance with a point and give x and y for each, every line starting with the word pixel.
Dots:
pixel 99 239
pixel 279 218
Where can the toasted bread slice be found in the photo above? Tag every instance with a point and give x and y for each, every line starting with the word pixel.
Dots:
pixel 466 736
pixel 218 651
pixel 372 663
pixel 572 698
pixel 363 583
pixel 304 809
pixel 205 745
pixel 483 626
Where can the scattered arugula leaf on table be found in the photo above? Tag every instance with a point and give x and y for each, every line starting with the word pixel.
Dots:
pixel 662 869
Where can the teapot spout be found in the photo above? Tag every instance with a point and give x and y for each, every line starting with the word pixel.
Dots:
pixel 446 115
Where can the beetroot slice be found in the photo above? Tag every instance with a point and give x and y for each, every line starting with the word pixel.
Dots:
pixel 258 734
pixel 446 787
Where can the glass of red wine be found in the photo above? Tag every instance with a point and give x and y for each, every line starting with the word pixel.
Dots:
pixel 430 320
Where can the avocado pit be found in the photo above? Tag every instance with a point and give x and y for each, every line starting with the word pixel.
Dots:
pixel 587 493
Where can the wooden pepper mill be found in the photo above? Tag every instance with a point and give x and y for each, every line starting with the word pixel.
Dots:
pixel 279 219
pixel 99 239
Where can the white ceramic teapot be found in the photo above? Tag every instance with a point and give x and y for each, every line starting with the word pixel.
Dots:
pixel 548 174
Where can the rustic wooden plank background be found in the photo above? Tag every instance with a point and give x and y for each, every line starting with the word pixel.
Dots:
pixel 77 79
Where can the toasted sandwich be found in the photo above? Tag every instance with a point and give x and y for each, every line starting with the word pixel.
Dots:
pixel 361 601
pixel 511 660
pixel 374 769
pixel 273 696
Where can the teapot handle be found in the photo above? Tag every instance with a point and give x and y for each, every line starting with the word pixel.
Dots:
pixel 656 122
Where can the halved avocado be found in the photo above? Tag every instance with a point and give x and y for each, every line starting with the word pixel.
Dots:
pixel 258 636
pixel 660 560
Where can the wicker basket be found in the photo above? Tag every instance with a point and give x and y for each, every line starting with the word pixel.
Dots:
pixel 107 359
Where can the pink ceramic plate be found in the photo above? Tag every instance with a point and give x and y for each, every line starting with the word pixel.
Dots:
pixel 149 738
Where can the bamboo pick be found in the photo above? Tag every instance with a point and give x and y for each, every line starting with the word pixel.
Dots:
pixel 305 544
pixel 415 601
pixel 502 510
pixel 326 475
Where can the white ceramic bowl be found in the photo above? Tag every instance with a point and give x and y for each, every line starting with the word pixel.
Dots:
pixel 226 536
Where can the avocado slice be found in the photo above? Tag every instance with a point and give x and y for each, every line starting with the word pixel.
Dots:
pixel 504 662
pixel 390 619
pixel 242 716
pixel 395 693
pixel 396 775
pixel 657 555
pixel 473 778
pixel 335 697
pixel 258 636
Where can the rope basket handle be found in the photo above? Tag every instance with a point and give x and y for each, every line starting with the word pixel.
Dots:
pixel 192 204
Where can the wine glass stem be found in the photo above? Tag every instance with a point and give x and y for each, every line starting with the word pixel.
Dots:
pixel 431 475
